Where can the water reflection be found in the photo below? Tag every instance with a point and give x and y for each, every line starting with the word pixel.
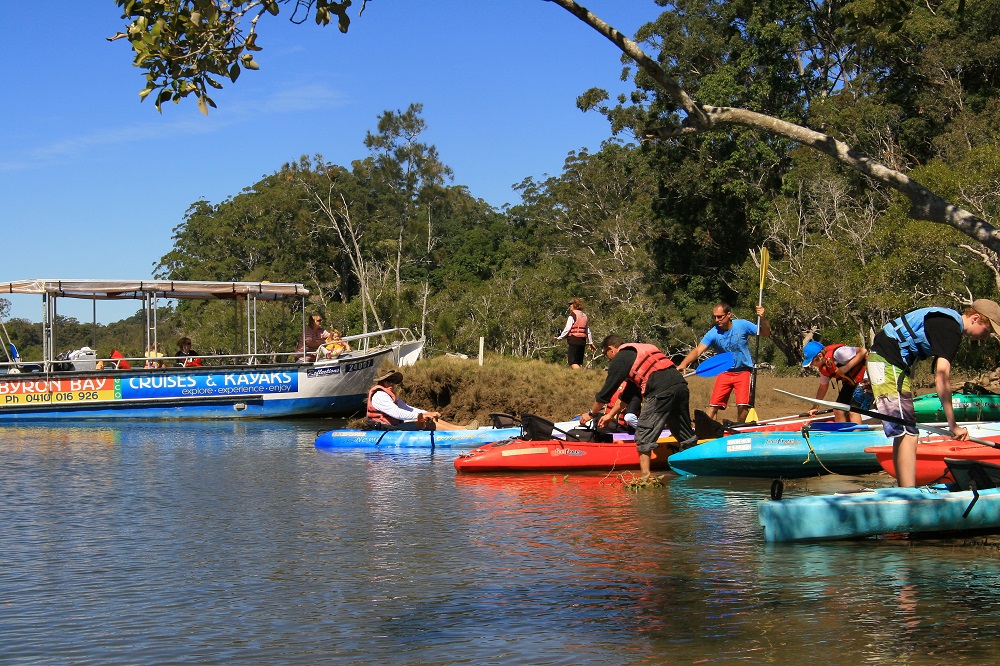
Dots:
pixel 240 542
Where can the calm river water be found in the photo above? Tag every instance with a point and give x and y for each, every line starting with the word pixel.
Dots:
pixel 242 543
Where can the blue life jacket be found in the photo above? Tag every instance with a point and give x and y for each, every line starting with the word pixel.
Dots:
pixel 909 332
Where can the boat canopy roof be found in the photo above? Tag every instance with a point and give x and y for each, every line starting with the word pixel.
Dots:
pixel 140 289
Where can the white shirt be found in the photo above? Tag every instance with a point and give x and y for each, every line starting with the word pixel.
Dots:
pixel 398 410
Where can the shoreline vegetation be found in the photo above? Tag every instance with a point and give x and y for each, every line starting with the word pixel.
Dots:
pixel 463 390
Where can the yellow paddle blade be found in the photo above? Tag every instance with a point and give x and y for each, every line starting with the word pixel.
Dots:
pixel 752 416
pixel 765 258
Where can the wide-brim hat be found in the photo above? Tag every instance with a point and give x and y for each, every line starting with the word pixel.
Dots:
pixel 394 376
pixel 811 349
pixel 991 311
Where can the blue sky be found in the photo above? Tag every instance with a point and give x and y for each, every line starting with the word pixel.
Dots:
pixel 93 182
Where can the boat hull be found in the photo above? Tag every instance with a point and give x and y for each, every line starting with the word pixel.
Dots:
pixel 967 406
pixel 412 439
pixel 781 454
pixel 925 509
pixel 931 467
pixel 521 455
pixel 328 388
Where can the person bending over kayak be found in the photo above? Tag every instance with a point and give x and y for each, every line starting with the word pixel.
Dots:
pixel 387 412
pixel 846 364
pixel 918 335
pixel 663 389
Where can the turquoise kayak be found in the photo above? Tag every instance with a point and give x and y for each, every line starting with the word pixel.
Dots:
pixel 350 438
pixel 924 509
pixel 972 403
pixel 783 454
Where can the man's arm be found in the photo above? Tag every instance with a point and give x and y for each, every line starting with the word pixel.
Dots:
pixel 692 355
pixel 942 382
pixel 764 330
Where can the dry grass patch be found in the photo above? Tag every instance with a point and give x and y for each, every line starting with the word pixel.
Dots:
pixel 462 390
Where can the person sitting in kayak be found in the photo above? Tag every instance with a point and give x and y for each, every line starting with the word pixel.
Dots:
pixel 626 414
pixel 846 364
pixel 664 391
pixel 387 412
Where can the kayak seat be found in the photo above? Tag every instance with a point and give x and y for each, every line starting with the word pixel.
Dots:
pixel 535 428
pixel 501 420
pixel 705 427
pixel 968 472
pixel 971 388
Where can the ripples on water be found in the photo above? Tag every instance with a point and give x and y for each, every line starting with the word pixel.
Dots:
pixel 241 543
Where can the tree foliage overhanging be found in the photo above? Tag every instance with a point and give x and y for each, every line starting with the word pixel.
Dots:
pixel 651 235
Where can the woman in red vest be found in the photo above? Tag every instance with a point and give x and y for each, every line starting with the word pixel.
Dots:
pixel 577 333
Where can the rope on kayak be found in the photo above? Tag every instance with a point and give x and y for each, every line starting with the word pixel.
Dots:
pixel 805 435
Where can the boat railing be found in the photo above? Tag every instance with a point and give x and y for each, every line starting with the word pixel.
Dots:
pixel 366 342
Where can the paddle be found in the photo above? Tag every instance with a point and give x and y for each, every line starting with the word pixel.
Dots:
pixel 884 417
pixel 765 258
pixel 713 365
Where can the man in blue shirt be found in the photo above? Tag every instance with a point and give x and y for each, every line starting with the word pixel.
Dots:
pixel 730 335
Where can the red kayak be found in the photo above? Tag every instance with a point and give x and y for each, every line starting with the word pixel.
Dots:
pixel 522 455
pixel 931 467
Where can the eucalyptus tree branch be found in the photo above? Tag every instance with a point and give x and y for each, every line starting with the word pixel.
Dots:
pixel 924 204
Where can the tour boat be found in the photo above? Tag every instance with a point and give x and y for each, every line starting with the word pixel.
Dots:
pixel 971 505
pixel 254 384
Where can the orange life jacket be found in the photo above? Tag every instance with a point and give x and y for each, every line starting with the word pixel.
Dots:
pixel 374 414
pixel 614 400
pixel 648 359
pixel 828 368
pixel 579 327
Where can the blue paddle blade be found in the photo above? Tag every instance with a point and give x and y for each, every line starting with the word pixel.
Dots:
pixel 715 365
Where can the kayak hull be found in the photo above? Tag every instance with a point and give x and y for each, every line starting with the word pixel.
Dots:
pixel 421 439
pixel 781 454
pixel 520 455
pixel 967 406
pixel 925 509
pixel 931 467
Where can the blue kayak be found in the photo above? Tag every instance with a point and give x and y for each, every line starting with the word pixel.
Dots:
pixel 349 438
pixel 783 454
pixel 925 509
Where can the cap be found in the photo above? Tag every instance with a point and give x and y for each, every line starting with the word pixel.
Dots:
pixel 395 376
pixel 811 349
pixel 989 309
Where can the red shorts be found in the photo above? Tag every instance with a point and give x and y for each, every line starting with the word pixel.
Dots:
pixel 728 382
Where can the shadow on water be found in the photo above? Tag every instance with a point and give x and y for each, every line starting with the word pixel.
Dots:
pixel 242 543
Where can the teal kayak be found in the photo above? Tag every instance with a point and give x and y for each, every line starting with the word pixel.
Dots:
pixel 865 513
pixel 783 454
pixel 971 403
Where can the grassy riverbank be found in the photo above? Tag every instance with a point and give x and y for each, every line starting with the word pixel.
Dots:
pixel 462 390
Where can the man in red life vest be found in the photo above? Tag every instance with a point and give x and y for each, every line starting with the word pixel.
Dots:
pixel 387 412
pixel 664 391
pixel 846 364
